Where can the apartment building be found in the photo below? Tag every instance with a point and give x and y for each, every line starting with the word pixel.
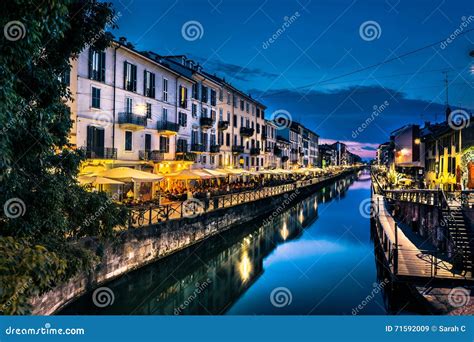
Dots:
pixel 283 151
pixel 127 109
pixel 269 135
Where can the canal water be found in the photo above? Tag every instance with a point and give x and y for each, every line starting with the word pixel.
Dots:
pixel 315 258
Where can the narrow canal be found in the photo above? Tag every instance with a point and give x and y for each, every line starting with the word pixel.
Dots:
pixel 315 258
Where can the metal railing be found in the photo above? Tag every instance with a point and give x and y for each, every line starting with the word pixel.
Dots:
pixel 99 152
pixel 132 119
pixel 149 214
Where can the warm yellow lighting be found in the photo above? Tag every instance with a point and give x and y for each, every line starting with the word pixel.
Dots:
pixel 417 141
pixel 245 267
pixel 140 109
pixel 284 232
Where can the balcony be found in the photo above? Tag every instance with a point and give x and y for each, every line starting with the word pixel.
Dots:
pixel 206 122
pixel 215 148
pixel 99 152
pixel 167 128
pixel 132 121
pixel 277 151
pixel 255 151
pixel 185 156
pixel 154 156
pixel 223 125
pixel 198 148
pixel 284 159
pixel 238 149
pixel 246 131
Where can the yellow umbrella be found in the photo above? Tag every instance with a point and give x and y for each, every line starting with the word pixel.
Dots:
pixel 97 180
pixel 236 172
pixel 214 173
pixel 126 174
pixel 189 175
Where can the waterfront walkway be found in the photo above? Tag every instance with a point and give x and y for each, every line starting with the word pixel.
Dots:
pixel 404 255
pixel 152 214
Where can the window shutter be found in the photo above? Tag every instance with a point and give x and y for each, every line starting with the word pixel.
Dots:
pixel 134 77
pixel 152 85
pixel 90 62
pixel 102 66
pixel 144 84
pixel 90 137
pixel 125 75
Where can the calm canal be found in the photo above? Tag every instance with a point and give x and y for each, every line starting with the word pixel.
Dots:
pixel 315 258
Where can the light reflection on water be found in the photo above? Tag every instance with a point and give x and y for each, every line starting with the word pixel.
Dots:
pixel 319 249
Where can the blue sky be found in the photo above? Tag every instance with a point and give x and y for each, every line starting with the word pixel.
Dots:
pixel 323 40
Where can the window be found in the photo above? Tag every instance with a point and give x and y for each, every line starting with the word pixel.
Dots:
pixel 164 144
pixel 194 137
pixel 194 110
pixel 183 97
pixel 220 138
pixel 195 91
pixel 227 139
pixel 130 77
pixel 148 110
pixel 183 119
pixel 228 98
pixel 247 107
pixel 213 97
pixel 97 65
pixel 65 77
pixel 241 105
pixel 221 95
pixel 258 128
pixel 204 94
pixel 221 114
pixel 128 140
pixel 235 120
pixel 258 112
pixel 165 114
pixel 149 84
pixel 95 97
pixel 165 90
pixel 128 105
pixel 147 142
pixel 235 101
pixel 213 115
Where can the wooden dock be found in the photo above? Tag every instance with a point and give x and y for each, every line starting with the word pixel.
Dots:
pixel 405 260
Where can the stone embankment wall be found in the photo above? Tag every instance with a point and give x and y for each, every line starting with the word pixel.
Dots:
pixel 141 246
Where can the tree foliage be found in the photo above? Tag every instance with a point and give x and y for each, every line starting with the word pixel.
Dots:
pixel 44 208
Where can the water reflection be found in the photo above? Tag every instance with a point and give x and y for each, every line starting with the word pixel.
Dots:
pixel 231 263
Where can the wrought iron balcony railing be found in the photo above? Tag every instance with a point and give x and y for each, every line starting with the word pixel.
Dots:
pixel 255 151
pixel 99 152
pixel 215 148
pixel 238 149
pixel 197 148
pixel 155 156
pixel 223 125
pixel 131 119
pixel 167 127
pixel 246 131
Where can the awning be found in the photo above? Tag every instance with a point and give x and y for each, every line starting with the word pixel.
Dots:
pixel 97 180
pixel 189 175
pixel 235 172
pixel 214 173
pixel 126 174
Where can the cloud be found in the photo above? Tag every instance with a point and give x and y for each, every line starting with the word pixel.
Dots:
pixel 348 114
pixel 364 150
pixel 232 71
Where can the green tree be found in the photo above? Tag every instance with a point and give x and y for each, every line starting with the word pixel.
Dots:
pixel 45 210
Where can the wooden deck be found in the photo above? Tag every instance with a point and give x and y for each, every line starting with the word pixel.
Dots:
pixel 404 258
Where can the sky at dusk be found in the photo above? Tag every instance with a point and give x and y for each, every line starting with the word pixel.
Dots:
pixel 310 66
